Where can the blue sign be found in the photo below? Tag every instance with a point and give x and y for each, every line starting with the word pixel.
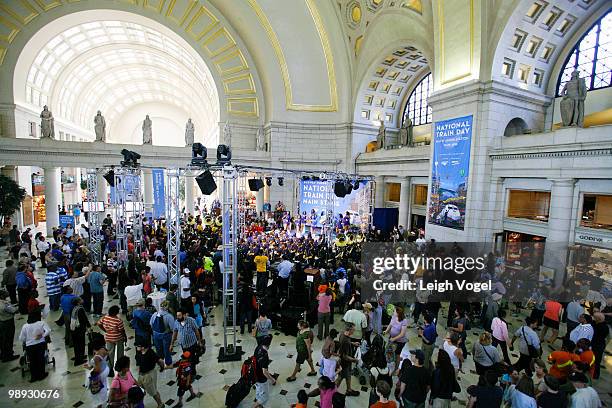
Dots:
pixel 159 196
pixel 316 194
pixel 450 172
pixel 64 220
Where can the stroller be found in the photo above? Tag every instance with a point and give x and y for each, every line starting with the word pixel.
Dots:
pixel 24 363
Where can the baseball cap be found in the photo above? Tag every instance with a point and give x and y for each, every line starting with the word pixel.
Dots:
pixel 419 355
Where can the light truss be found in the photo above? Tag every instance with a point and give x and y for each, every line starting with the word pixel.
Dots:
pixel 94 217
pixel 129 209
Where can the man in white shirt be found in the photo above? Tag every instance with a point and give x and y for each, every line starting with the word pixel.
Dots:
pixel 133 294
pixel 584 330
pixel 83 232
pixel 42 246
pixel 585 396
pixel 159 271
pixel 358 318
pixel 284 273
pixel 186 290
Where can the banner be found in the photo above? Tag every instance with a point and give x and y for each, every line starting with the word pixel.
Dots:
pixel 450 172
pixel 64 220
pixel 131 182
pixel 315 195
pixel 159 195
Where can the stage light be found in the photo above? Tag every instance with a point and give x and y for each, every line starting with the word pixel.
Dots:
pixel 224 154
pixel 340 189
pixel 130 158
pixel 256 184
pixel 348 186
pixel 281 181
pixel 268 181
pixel 199 153
pixel 206 182
pixel 356 185
pixel 110 178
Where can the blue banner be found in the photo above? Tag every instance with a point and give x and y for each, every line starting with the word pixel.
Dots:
pixel 64 220
pixel 130 183
pixel 450 172
pixel 159 196
pixel 314 196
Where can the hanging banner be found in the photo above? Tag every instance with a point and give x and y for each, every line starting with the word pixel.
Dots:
pixel 315 195
pixel 450 172
pixel 159 196
pixel 131 182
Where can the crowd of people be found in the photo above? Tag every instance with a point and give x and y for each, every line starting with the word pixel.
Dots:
pixel 284 266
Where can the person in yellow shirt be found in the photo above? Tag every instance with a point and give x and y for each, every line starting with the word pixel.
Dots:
pixel 261 265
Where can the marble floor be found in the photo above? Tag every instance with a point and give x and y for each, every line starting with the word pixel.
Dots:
pixel 215 377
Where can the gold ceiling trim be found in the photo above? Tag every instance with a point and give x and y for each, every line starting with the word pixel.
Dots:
pixel 280 56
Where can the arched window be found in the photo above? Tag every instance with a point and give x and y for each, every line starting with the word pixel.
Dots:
pixel 417 108
pixel 592 57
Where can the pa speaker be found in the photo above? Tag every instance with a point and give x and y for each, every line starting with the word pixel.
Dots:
pixel 206 182
pixel 340 189
pixel 256 184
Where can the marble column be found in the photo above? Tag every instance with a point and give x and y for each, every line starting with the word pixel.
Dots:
pixel 102 187
pixel 147 175
pixel 53 186
pixel 404 204
pixel 379 193
pixel 559 225
pixel 189 198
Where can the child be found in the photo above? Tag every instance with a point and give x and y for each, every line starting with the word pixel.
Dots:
pixel 184 371
pixel 329 367
pixel 135 397
pixel 302 398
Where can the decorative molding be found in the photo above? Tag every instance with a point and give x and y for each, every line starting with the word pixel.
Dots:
pixel 546 155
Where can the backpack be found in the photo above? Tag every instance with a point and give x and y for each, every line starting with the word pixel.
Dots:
pixel 22 281
pixel 159 325
pixel 248 371
pixel 137 322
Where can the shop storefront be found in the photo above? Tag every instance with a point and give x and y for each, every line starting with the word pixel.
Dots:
pixel 523 253
pixel 590 259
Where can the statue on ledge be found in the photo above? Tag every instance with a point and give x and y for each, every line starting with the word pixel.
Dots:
pixel 189 133
pixel 100 127
pixel 572 105
pixel 405 133
pixel 47 127
pixel 147 131
pixel 380 138
pixel 260 140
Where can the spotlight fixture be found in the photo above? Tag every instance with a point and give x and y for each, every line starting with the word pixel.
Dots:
pixel 268 181
pixel 340 189
pixel 130 158
pixel 281 181
pixel 356 185
pixel 206 182
pixel 199 153
pixel 224 154
pixel 256 184
pixel 110 178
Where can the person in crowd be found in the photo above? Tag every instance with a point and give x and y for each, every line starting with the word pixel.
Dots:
pixel 303 347
pixel 302 400
pixel 261 264
pixel 162 326
pixel 551 397
pixel 245 306
pixel 8 279
pixel 383 391
pixel 33 303
pixel 159 272
pixel 76 282
pixel 7 328
pixel 443 382
pixel 573 311
pixel 601 330
pixel 329 345
pixel 140 323
pixel 185 295
pixel 123 280
pixel 451 346
pixel 459 326
pixel 42 246
pixel 325 391
pixel 485 354
pixel 264 377
pixel 147 360
pixel 133 296
pixel 114 334
pixel 122 382
pixel 397 332
pixel 528 344
pixel 79 324
pixel 561 361
pixel 499 332
pixel 284 268
pixel 552 316
pixel 67 306
pixel 523 395
pixel 345 350
pixel 428 335
pixel 199 313
pixel 34 335
pixel 324 299
pixel 586 355
pixel 186 333
pixel 585 396
pixel 96 287
pixel 539 372
pixel 414 381
pixel 111 273
pixel 185 372
pixel 54 288
pixel 584 330
pixel 263 325
pixel 355 315
pixel 97 379
pixel 172 299
pixel 486 394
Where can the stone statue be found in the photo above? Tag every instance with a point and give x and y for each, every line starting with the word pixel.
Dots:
pixel 147 131
pixel 47 127
pixel 189 133
pixel 227 134
pixel 100 127
pixel 572 105
pixel 380 138
pixel 261 140
pixel 405 133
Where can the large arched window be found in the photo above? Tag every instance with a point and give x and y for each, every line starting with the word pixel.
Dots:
pixel 592 57
pixel 417 108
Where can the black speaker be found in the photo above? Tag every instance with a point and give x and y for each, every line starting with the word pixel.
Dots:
pixel 206 182
pixel 340 189
pixel 256 184
pixel 110 178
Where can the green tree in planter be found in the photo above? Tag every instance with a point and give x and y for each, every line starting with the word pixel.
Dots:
pixel 11 196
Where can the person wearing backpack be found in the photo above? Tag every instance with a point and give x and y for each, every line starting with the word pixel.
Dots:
pixel 79 323
pixel 24 286
pixel 262 388
pixel 140 323
pixel 162 323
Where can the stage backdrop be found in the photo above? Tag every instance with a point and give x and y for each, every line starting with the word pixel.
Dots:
pixel 314 194
pixel 450 171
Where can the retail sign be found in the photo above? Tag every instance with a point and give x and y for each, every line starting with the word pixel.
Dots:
pixel 450 172
pixel 316 196
pixel 64 220
pixel 159 196
pixel 601 240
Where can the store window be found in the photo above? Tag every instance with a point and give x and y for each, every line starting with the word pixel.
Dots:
pixel 417 108
pixel 597 211
pixel 393 192
pixel 531 205
pixel 420 194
